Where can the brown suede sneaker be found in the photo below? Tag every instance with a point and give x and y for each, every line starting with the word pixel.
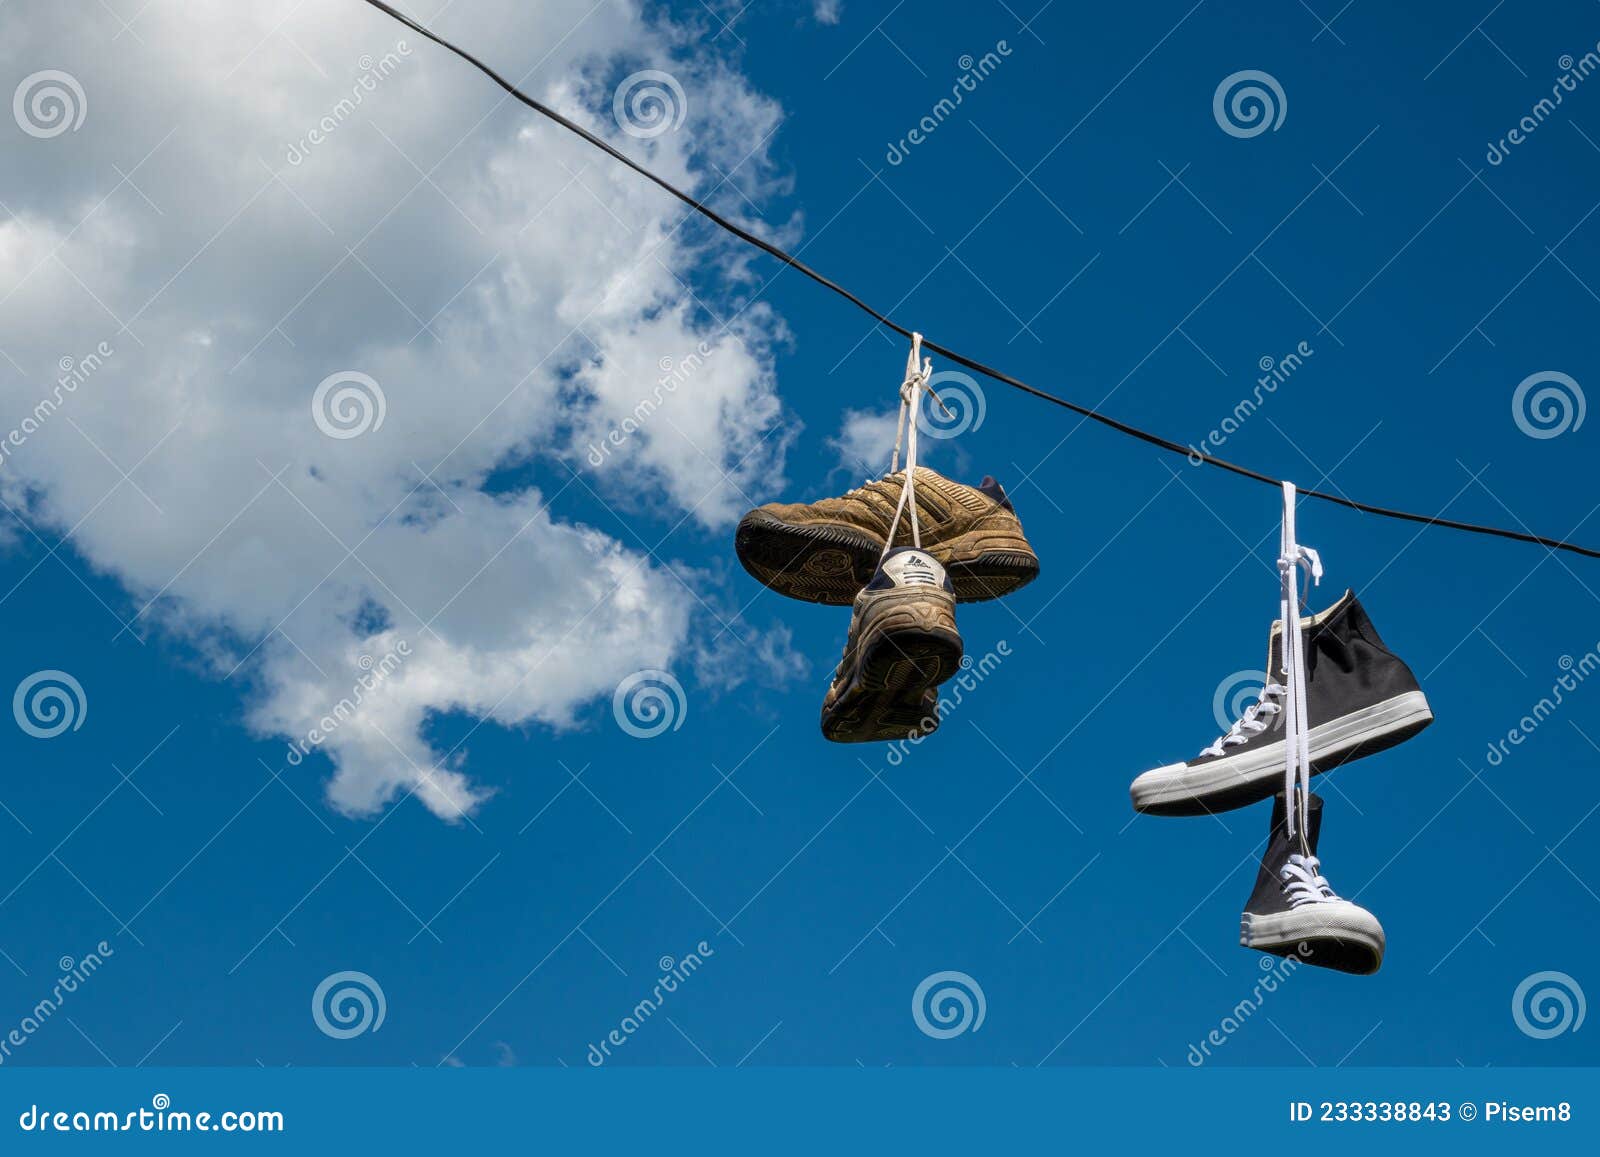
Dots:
pixel 824 552
pixel 902 644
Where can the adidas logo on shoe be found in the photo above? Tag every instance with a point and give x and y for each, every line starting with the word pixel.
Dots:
pixel 1360 699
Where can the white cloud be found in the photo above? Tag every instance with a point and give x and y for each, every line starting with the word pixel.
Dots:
pixel 827 11
pixel 511 291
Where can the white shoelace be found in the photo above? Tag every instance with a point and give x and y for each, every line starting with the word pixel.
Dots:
pixel 1303 883
pixel 1297 730
pixel 1256 719
pixel 918 372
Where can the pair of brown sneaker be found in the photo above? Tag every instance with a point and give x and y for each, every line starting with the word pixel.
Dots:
pixel 903 640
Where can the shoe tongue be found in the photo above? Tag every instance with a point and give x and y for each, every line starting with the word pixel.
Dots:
pixel 994 491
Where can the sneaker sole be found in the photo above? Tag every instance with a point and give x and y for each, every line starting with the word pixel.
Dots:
pixel 900 664
pixel 1341 936
pixel 1240 780
pixel 829 564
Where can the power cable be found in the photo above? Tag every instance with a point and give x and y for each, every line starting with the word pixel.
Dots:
pixel 959 359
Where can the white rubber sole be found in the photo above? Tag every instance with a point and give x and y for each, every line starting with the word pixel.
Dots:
pixel 1337 928
pixel 1236 780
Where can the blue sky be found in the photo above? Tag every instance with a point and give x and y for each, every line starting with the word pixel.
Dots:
pixel 1082 220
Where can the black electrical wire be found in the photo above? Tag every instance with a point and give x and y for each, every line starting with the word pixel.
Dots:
pixel 799 266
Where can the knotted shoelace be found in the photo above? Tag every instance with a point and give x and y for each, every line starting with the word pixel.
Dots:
pixel 919 372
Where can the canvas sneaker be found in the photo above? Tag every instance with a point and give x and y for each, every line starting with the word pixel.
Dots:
pixel 902 644
pixel 826 551
pixel 1294 912
pixel 1360 699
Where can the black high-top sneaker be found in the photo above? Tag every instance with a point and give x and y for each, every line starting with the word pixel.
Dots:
pixel 902 644
pixel 1293 911
pixel 1360 699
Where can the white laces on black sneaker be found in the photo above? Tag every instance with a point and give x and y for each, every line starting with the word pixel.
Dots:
pixel 1256 719
pixel 1303 883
